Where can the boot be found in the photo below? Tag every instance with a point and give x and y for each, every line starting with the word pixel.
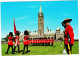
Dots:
pixel 23 53
pixel 6 53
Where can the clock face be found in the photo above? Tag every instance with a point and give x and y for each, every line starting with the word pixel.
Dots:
pixel 40 14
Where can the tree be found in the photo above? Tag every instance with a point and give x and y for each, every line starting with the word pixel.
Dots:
pixel 61 39
pixel 2 39
pixel 6 38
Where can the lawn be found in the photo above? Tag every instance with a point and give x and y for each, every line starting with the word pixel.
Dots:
pixel 56 49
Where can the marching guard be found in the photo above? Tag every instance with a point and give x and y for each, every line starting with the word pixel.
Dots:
pixel 69 35
pixel 48 40
pixel 52 41
pixel 25 41
pixel 17 42
pixel 10 42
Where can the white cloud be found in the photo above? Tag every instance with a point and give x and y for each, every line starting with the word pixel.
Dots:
pixel 22 18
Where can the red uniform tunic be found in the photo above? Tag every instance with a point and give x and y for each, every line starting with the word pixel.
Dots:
pixel 32 41
pixel 48 40
pixel 42 41
pixel 52 40
pixel 10 42
pixel 29 41
pixel 26 40
pixel 36 41
pixel 17 40
pixel 39 41
pixel 45 40
pixel 69 30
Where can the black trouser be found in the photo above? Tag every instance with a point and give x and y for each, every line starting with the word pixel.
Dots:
pixel 48 44
pixel 18 48
pixel 33 44
pixel 9 48
pixel 38 44
pixel 24 48
pixel 70 45
pixel 45 44
pixel 51 44
pixel 42 44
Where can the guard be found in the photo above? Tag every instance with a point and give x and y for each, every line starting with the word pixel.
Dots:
pixel 25 41
pixel 17 42
pixel 10 42
pixel 68 35
pixel 52 41
pixel 48 41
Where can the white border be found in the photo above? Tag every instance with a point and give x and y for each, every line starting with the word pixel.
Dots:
pixel 32 0
pixel 78 55
pixel 0 29
pixel 79 23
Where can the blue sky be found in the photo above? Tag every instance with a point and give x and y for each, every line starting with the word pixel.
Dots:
pixel 26 15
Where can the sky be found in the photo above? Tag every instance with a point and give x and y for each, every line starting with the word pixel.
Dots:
pixel 26 15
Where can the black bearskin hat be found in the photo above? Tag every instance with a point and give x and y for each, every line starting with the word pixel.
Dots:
pixel 10 33
pixel 26 32
pixel 17 33
pixel 48 37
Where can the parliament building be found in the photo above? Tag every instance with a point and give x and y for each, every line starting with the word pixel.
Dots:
pixel 40 33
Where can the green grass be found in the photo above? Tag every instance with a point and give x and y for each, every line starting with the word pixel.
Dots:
pixel 56 49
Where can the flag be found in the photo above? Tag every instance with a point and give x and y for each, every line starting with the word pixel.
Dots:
pixel 14 26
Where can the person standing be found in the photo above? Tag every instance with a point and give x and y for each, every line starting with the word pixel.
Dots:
pixel 68 35
pixel 10 42
pixel 38 41
pixel 31 41
pixel 48 41
pixel 25 41
pixel 17 42
pixel 52 41
pixel 44 41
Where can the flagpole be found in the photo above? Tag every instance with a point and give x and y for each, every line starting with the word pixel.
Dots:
pixel 14 25
pixel 14 30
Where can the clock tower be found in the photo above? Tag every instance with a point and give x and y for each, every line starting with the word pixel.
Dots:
pixel 40 23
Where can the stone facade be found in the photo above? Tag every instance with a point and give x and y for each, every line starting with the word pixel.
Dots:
pixel 59 34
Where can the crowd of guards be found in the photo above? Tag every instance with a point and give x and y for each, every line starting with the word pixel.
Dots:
pixel 26 41
pixel 16 44
pixel 41 41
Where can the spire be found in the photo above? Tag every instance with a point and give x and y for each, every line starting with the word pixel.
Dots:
pixel 40 11
pixel 47 27
pixel 50 30
pixel 58 28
